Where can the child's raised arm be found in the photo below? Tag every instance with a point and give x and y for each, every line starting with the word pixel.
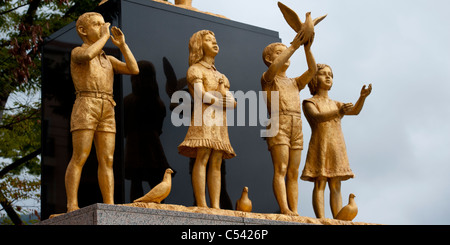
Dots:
pixel 80 55
pixel 130 66
pixel 282 58
pixel 308 75
pixel 360 103
pixel 319 116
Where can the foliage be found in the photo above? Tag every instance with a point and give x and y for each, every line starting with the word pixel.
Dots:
pixel 20 134
pixel 18 188
pixel 23 30
pixel 24 24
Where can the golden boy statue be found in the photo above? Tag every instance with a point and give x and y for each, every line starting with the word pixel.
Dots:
pixel 93 111
pixel 287 145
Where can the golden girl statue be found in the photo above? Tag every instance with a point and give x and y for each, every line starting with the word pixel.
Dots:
pixel 207 137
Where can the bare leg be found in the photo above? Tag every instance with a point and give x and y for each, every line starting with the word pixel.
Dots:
pixel 199 176
pixel 292 179
pixel 82 143
pixel 214 178
pixel 280 158
pixel 335 195
pixel 105 143
pixel 318 197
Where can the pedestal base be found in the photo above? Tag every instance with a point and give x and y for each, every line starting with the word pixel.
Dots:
pixel 167 214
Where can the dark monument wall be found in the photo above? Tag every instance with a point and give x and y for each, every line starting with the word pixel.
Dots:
pixel 158 35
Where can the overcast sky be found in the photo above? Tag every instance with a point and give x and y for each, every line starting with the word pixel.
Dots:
pixel 398 146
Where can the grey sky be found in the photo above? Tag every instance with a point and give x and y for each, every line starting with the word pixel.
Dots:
pixel 399 145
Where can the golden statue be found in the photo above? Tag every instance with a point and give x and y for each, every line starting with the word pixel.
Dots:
pixel 327 160
pixel 287 145
pixel 207 138
pixel 179 3
pixel 349 211
pixel 159 192
pixel 306 28
pixel 92 116
pixel 244 203
pixel 187 3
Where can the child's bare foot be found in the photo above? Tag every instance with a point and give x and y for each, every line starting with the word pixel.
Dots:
pixel 72 208
pixel 289 212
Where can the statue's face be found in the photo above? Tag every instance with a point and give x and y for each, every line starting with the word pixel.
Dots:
pixel 93 30
pixel 324 78
pixel 277 50
pixel 210 47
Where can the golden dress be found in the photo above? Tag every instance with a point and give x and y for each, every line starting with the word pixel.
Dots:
pixel 203 136
pixel 327 154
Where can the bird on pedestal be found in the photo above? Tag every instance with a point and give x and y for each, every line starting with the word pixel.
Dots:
pixel 350 211
pixel 158 193
pixel 244 203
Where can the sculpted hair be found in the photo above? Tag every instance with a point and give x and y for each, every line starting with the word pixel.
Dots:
pixel 196 46
pixel 268 50
pixel 313 84
pixel 83 21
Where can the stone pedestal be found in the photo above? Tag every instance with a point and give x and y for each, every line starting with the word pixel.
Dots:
pixel 168 214
pixel 104 214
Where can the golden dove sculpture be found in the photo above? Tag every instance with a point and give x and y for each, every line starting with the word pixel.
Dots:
pixel 295 23
pixel 158 193
pixel 244 203
pixel 350 211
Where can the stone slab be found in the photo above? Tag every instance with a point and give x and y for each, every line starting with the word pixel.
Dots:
pixel 104 214
pixel 167 214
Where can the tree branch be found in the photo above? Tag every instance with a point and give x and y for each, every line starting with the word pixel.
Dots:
pixel 10 210
pixel 10 10
pixel 34 5
pixel 19 162
pixel 9 126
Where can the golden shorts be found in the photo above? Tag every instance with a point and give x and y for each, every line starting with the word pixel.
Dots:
pixel 94 114
pixel 289 132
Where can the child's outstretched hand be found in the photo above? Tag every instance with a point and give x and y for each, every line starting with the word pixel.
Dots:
pixel 346 107
pixel 366 91
pixel 299 39
pixel 117 37
pixel 309 42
